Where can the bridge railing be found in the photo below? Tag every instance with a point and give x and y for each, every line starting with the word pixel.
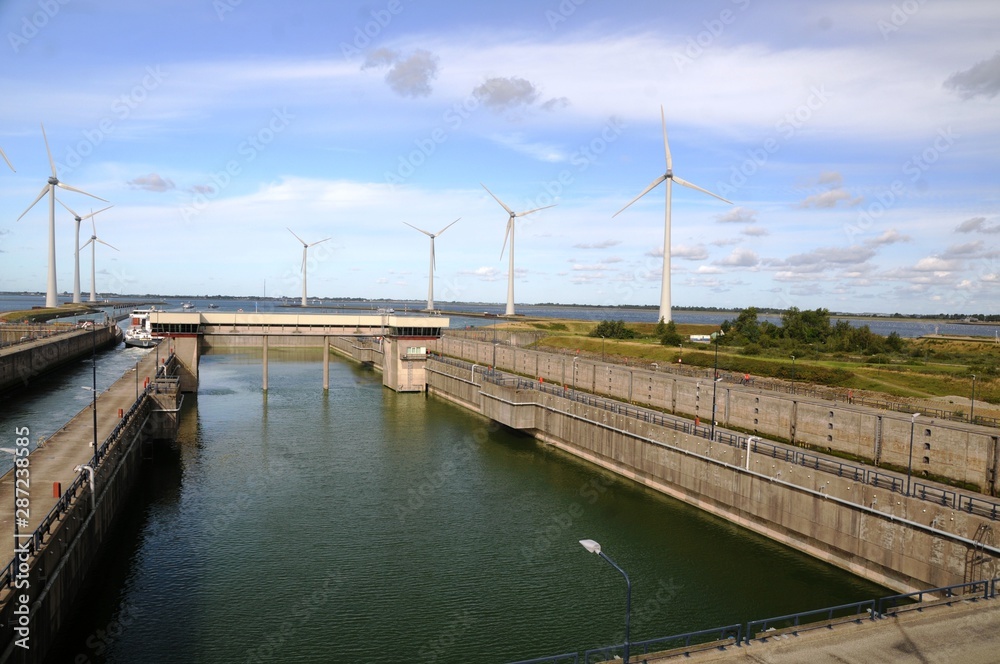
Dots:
pixel 859 473
pixel 985 589
pixel 805 620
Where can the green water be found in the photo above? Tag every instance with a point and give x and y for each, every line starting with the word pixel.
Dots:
pixel 364 525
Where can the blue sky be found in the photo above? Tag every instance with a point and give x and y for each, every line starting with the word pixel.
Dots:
pixel 858 142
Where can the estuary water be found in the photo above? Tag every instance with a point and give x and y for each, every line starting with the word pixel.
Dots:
pixel 364 525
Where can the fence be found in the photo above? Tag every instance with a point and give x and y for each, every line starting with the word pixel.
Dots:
pixel 762 630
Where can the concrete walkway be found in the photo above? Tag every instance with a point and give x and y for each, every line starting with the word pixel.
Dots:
pixel 964 633
pixel 69 447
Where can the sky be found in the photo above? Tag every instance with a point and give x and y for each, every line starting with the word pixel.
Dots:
pixel 857 141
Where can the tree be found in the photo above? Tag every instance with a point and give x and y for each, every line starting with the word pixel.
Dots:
pixel 670 336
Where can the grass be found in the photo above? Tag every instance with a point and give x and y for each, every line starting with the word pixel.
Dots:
pixel 43 315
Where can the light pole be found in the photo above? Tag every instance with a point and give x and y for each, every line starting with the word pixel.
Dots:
pixel 909 464
pixel 93 362
pixel 793 367
pixel 972 404
pixel 602 348
pixel 715 377
pixel 575 358
pixel 594 547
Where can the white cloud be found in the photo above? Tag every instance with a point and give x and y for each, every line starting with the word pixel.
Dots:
pixel 829 199
pixel 982 79
pixel 695 253
pixel 935 264
pixel 977 225
pixel 152 182
pixel 755 231
pixel 503 93
pixel 740 258
pixel 738 215
pixel 891 236
pixel 408 77
pixel 603 244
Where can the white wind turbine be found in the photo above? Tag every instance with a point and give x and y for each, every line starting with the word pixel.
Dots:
pixel 430 279
pixel 51 298
pixel 510 234
pixel 77 247
pixel 670 178
pixel 7 160
pixel 305 250
pixel 93 256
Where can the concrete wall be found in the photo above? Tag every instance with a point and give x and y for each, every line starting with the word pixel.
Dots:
pixel 21 364
pixel 958 451
pixel 901 542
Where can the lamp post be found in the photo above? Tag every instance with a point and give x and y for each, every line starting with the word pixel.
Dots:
pixel 594 547
pixel 93 362
pixel 793 367
pixel 972 404
pixel 715 377
pixel 602 348
pixel 909 464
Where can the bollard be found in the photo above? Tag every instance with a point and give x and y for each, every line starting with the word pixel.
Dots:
pixel 57 489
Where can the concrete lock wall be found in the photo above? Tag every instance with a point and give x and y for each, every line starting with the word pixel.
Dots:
pixel 21 364
pixel 900 542
pixel 961 452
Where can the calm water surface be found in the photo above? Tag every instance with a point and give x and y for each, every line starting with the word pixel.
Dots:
pixel 364 525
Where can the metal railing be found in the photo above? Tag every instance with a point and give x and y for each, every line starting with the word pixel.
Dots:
pixel 762 630
pixel 71 492
pixel 858 473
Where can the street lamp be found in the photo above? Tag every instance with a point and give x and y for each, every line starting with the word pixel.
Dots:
pixel 715 378
pixel 909 465
pixel 793 367
pixel 602 348
pixel 972 404
pixel 594 547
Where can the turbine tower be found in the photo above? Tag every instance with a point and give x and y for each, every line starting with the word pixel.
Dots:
pixel 7 160
pixel 76 246
pixel 305 250
pixel 430 279
pixel 51 297
pixel 93 257
pixel 510 234
pixel 670 178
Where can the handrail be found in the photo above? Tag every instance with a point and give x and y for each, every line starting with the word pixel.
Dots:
pixel 857 609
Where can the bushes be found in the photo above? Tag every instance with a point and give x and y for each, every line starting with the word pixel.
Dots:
pixel 613 329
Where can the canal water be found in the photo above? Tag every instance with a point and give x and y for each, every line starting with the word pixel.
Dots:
pixel 367 526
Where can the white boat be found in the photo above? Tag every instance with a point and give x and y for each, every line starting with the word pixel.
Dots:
pixel 187 305
pixel 140 333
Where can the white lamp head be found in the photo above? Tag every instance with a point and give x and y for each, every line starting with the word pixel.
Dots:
pixel 591 545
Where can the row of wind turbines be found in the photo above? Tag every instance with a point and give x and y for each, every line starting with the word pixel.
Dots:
pixel 668 177
pixel 51 294
pixel 665 287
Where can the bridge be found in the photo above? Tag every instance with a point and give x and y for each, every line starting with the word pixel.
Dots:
pixel 402 339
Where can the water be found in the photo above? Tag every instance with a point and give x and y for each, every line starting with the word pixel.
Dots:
pixel 883 326
pixel 365 525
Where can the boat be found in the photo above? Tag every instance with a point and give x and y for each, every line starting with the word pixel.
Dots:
pixel 140 332
pixel 213 306
pixel 187 305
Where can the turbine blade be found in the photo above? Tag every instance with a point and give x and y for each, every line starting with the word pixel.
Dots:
pixel 297 237
pixel 45 190
pixel 521 214
pixel 447 227
pixel 106 244
pixel 320 242
pixel 52 162
pixel 69 209
pixel 84 245
pixel 509 211
pixel 687 184
pixel 510 222
pixel 644 192
pixel 79 191
pixel 666 146
pixel 92 213
pixel 419 229
pixel 7 160
pixel 93 226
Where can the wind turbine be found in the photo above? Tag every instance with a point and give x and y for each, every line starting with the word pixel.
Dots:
pixel 7 160
pixel 305 250
pixel 510 234
pixel 430 279
pixel 51 299
pixel 670 178
pixel 76 245
pixel 93 256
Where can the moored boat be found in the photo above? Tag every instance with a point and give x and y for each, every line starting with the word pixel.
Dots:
pixel 139 333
